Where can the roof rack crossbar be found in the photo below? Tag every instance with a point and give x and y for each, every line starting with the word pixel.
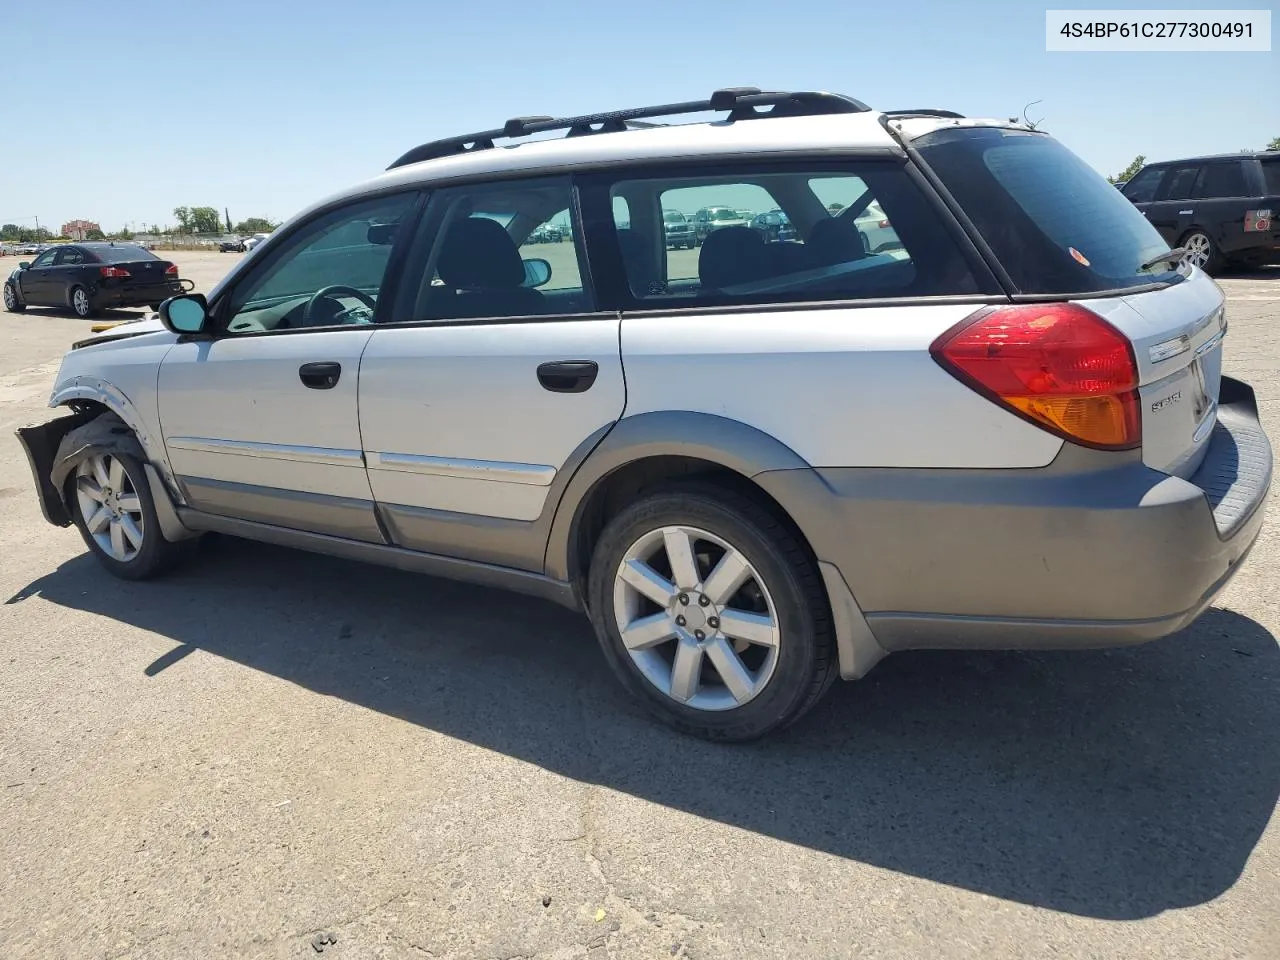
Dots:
pixel 741 102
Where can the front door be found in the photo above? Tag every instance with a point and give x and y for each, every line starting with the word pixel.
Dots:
pixel 497 379
pixel 260 423
pixel 35 281
pixel 1173 210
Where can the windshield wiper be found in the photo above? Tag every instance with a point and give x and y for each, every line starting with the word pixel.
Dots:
pixel 1177 253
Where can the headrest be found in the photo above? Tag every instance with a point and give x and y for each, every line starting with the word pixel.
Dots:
pixel 478 254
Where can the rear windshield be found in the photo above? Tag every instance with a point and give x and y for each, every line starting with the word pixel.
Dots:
pixel 1056 224
pixel 1271 176
pixel 121 253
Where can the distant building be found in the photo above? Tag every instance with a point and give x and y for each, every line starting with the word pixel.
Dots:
pixel 79 229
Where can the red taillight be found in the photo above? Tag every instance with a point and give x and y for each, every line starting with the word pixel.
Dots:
pixel 114 272
pixel 1058 365
pixel 884 224
pixel 171 270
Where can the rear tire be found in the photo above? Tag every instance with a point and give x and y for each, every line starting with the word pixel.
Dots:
pixel 722 657
pixel 11 301
pixel 81 303
pixel 1202 251
pixel 117 519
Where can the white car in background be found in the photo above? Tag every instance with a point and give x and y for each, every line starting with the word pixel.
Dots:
pixel 253 241
pixel 875 226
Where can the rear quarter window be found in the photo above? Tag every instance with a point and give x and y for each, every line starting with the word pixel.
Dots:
pixel 1054 223
pixel 1271 176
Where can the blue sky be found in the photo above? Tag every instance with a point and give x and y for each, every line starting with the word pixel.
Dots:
pixel 263 107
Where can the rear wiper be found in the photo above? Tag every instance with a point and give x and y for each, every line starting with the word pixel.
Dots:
pixel 1177 253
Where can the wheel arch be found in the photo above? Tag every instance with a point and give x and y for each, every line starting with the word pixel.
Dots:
pixel 84 393
pixel 648 449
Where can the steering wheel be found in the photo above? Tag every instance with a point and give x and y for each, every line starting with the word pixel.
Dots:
pixel 334 291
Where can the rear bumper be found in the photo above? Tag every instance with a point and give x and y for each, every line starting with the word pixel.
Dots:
pixel 1095 550
pixel 136 296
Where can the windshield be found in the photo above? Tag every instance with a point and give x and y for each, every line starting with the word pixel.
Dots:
pixel 673 216
pixel 1055 224
pixel 724 215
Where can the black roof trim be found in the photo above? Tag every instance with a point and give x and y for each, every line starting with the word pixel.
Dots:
pixel 742 103
pixel 926 112
pixel 1238 155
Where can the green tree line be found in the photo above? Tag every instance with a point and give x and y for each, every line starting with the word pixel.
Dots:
pixel 208 220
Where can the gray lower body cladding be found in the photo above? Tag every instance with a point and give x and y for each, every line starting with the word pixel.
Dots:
pixel 1094 550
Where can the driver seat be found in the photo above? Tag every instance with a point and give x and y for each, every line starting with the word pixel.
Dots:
pixel 483 274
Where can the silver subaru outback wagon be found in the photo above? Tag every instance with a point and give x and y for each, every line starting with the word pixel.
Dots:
pixel 756 464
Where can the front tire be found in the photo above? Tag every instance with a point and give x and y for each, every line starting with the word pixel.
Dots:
pixel 81 303
pixel 711 612
pixel 11 301
pixel 114 511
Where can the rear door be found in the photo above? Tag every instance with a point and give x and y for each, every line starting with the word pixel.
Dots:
pixel 1061 231
pixel 1222 194
pixel 495 377
pixel 67 271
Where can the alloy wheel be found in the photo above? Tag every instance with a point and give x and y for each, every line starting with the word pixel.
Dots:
pixel 696 618
pixel 10 298
pixel 1199 250
pixel 80 301
pixel 110 505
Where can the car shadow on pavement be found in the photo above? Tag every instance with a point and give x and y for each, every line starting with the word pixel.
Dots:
pixel 1111 784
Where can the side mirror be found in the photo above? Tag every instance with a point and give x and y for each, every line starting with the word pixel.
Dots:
pixel 24 264
pixel 185 314
pixel 382 234
pixel 536 273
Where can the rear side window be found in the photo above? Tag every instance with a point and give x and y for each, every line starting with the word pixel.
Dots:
pixel 852 231
pixel 1271 176
pixel 1222 180
pixel 1142 188
pixel 1056 224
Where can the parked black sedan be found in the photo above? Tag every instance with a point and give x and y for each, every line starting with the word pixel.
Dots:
pixel 90 276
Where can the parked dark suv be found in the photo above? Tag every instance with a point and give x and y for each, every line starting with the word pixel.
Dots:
pixel 1219 208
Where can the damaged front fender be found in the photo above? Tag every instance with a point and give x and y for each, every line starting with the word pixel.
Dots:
pixel 41 443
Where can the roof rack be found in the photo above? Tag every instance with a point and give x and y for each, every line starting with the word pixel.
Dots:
pixel 926 112
pixel 741 102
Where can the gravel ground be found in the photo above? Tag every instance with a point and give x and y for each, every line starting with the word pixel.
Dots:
pixel 274 748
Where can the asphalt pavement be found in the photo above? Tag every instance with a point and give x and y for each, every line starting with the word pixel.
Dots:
pixel 272 750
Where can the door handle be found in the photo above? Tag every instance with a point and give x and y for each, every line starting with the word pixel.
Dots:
pixel 320 376
pixel 568 376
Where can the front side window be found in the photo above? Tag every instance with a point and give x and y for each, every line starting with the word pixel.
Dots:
pixel 328 273
pixel 1180 184
pixel 1142 188
pixel 859 230
pixel 499 250
pixel 45 259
